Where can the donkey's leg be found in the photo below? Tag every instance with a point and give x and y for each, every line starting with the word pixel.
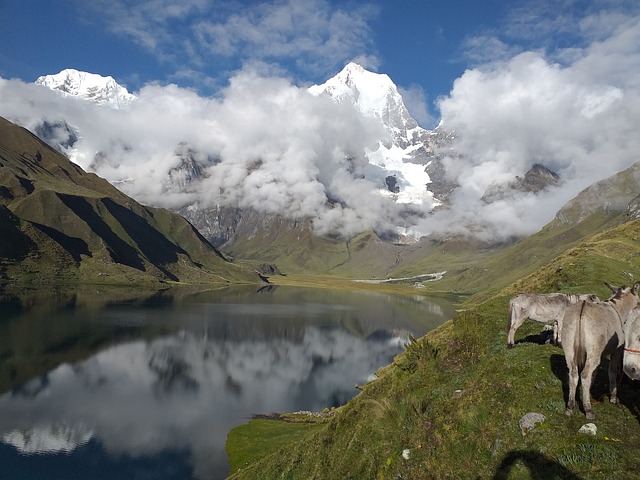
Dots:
pixel 557 332
pixel 586 377
pixel 516 319
pixel 614 363
pixel 573 379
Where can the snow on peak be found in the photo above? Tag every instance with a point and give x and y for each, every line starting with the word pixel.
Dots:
pixel 374 94
pixel 88 86
pixel 369 91
pixel 399 162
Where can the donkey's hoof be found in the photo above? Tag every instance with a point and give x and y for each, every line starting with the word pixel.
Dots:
pixel 590 415
pixel 568 412
pixel 614 400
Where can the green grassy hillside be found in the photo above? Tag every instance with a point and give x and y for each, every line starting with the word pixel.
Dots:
pixel 471 265
pixel 450 406
pixel 61 225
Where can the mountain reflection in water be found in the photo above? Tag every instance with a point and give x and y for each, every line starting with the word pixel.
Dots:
pixel 228 357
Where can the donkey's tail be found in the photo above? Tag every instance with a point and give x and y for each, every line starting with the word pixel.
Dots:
pixel 580 340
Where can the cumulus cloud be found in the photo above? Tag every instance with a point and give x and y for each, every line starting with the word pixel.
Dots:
pixel 263 143
pixel 579 119
pixel 415 99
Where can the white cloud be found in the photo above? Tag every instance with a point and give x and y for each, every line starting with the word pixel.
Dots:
pixel 415 99
pixel 486 48
pixel 264 143
pixel 313 35
pixel 146 22
pixel 579 119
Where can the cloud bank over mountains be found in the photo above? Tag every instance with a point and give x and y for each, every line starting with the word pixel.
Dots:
pixel 578 117
pixel 267 144
pixel 270 145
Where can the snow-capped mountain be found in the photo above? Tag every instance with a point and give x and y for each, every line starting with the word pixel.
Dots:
pixel 398 166
pixel 374 94
pixel 404 157
pixel 88 86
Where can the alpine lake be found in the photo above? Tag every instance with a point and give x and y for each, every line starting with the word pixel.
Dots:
pixel 104 383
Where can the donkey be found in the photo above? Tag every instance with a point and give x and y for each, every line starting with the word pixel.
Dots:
pixel 590 330
pixel 631 358
pixel 543 308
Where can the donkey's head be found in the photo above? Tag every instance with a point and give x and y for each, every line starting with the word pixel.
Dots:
pixel 631 359
pixel 628 294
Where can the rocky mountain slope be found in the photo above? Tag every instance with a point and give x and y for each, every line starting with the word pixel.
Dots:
pixel 610 196
pixel 536 179
pixel 62 225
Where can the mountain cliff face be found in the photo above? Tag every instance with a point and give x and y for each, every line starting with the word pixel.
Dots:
pixel 63 225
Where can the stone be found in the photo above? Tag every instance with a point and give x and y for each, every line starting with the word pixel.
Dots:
pixel 530 420
pixel 588 429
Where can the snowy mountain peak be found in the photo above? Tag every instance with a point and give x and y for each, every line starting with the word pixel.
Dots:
pixel 402 158
pixel 89 86
pixel 374 94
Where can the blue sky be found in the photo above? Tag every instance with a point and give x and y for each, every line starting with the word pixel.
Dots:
pixel 423 45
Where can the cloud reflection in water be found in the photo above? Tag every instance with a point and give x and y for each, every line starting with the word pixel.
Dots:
pixel 185 391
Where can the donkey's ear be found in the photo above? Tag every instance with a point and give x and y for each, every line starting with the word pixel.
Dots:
pixel 611 287
pixel 635 288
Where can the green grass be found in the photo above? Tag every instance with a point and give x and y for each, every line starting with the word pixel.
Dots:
pixel 262 437
pixel 455 397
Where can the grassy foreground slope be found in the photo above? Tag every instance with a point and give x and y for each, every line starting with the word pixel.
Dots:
pixel 450 406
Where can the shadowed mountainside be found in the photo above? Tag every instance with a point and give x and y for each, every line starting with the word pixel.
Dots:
pixel 61 224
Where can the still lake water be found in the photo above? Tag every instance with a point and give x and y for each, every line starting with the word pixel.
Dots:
pixel 108 385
